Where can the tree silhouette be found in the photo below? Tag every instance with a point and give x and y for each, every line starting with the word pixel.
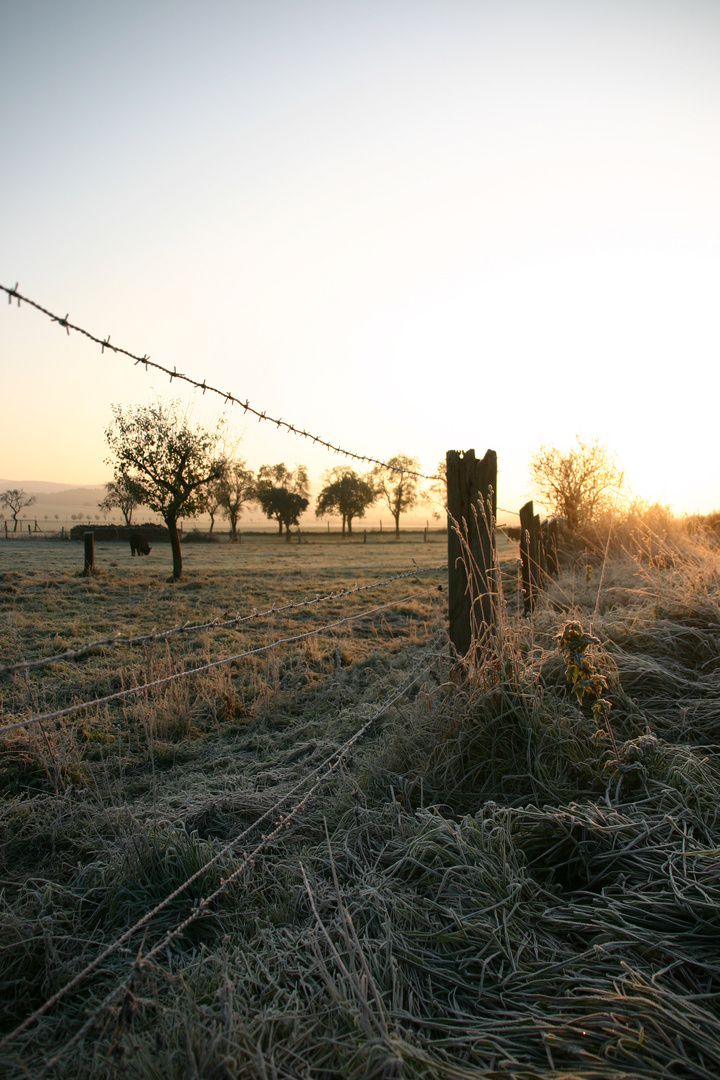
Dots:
pixel 345 493
pixel 580 484
pixel 170 461
pixel 16 500
pixel 122 494
pixel 235 488
pixel 283 493
pixel 397 486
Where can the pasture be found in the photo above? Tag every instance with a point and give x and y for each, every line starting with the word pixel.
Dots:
pixel 479 886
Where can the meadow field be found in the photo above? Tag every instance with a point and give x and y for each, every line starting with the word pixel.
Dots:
pixel 312 846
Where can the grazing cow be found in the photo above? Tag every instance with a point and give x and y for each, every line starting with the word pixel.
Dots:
pixel 139 544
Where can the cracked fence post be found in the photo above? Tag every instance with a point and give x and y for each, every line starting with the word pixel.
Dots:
pixel 472 506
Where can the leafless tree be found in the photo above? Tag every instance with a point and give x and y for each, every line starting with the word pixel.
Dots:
pixel 579 484
pixel 16 500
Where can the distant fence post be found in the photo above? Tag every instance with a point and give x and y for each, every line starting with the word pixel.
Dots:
pixel 89 539
pixel 472 507
pixel 6 531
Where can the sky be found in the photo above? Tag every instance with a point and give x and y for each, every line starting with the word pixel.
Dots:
pixel 406 227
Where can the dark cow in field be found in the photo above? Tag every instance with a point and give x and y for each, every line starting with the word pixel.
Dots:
pixel 139 544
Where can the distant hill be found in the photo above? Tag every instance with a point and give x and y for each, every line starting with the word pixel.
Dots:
pixel 47 487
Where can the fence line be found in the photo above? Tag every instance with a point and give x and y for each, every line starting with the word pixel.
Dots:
pixel 204 385
pixel 133 690
pixel 215 624
pixel 329 765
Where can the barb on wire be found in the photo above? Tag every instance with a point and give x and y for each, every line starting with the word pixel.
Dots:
pixel 104 343
pixel 120 695
pixel 325 769
pixel 214 624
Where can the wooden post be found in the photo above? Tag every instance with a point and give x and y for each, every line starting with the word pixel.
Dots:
pixel 551 548
pixel 527 528
pixel 89 539
pixel 6 530
pixel 472 506
pixel 364 536
pixel 540 563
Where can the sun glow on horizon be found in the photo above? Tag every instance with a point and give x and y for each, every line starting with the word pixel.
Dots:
pixel 405 228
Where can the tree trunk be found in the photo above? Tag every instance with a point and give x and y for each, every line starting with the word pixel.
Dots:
pixel 349 521
pixel 397 525
pixel 175 545
pixel 16 522
pixel 343 524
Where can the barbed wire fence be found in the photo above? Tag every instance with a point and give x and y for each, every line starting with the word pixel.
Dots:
pixel 228 396
pixel 116 640
pixel 121 695
pixel 321 773
pixel 278 818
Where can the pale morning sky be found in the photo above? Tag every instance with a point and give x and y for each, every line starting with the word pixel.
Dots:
pixel 404 226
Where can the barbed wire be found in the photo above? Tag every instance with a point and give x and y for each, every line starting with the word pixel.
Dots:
pixel 214 624
pixel 205 386
pixel 120 695
pixel 329 765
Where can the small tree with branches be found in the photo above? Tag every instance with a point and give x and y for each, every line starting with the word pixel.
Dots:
pixel 171 461
pixel 283 493
pixel 235 488
pixel 122 494
pixel 579 484
pixel 397 486
pixel 16 500
pixel 345 493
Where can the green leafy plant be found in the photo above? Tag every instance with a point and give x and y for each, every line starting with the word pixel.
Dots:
pixel 573 643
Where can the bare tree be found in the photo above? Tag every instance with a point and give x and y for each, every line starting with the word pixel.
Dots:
pixel 396 484
pixel 345 493
pixel 235 488
pixel 16 500
pixel 211 504
pixel 123 494
pixel 170 460
pixel 580 484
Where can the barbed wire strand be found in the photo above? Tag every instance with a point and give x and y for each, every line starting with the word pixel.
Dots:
pixel 133 690
pixel 328 765
pixel 13 294
pixel 215 624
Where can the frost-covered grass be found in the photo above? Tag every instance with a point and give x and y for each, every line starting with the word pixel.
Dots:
pixel 483 889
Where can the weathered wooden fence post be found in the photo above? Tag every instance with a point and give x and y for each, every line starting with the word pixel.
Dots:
pixel 472 507
pixel 540 563
pixel 527 548
pixel 89 539
pixel 551 548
